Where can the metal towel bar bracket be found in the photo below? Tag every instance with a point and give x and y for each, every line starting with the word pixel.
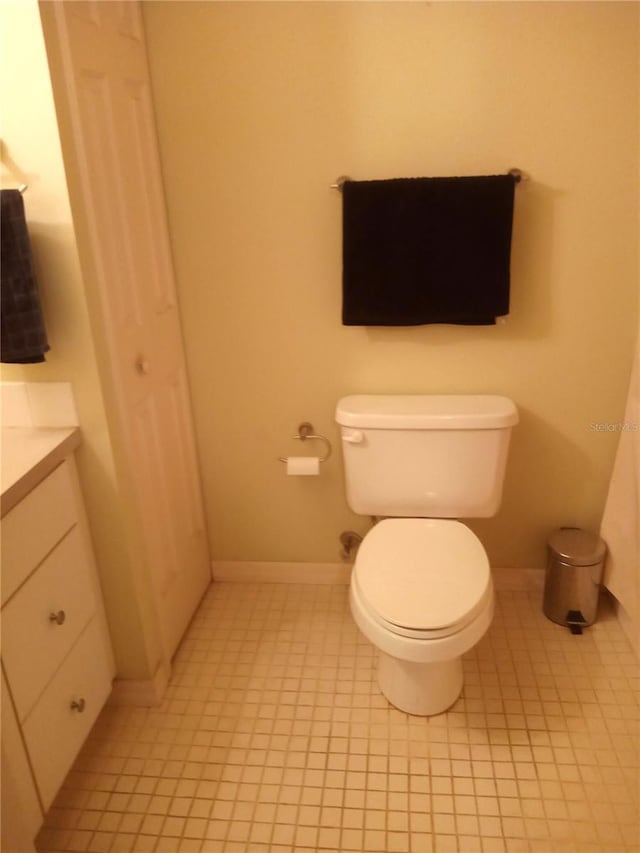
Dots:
pixel 305 431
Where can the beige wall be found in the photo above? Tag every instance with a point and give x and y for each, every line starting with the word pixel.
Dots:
pixel 31 153
pixel 261 106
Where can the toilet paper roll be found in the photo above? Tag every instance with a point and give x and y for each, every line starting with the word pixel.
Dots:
pixel 303 466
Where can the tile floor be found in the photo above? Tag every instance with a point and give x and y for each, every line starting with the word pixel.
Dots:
pixel 273 737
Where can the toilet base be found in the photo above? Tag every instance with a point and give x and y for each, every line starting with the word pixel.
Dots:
pixel 422 689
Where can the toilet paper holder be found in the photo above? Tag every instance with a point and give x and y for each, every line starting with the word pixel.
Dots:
pixel 305 431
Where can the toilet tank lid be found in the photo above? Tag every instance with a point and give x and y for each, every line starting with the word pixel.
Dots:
pixel 426 411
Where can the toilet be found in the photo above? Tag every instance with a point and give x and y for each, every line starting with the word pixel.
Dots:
pixel 421 589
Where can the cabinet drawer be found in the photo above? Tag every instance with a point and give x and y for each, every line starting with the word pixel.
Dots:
pixel 33 645
pixel 32 528
pixel 54 731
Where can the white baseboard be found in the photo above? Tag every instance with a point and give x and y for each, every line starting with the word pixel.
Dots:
pixel 340 573
pixel 145 692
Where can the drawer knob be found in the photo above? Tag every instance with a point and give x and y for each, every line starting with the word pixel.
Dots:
pixel 78 705
pixel 58 617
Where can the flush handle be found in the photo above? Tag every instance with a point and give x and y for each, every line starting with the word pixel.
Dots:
pixel 353 436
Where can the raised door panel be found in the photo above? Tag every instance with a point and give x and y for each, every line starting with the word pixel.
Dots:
pixel 111 233
pixel 154 491
pixel 147 213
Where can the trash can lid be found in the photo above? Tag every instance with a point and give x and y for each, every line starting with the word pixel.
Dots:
pixel 577 547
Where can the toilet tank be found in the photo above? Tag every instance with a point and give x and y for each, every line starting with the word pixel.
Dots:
pixel 425 456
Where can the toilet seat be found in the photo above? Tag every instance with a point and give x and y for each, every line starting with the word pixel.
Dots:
pixel 422 578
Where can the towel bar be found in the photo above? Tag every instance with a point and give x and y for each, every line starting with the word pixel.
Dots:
pixel 518 175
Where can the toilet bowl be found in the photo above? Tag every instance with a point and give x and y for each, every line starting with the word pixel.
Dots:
pixel 421 593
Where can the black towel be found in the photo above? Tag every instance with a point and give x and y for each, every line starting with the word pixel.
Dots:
pixel 426 250
pixel 23 339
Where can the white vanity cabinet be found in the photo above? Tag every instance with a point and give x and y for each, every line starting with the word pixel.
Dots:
pixel 56 652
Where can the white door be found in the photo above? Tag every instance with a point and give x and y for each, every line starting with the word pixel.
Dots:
pixel 113 153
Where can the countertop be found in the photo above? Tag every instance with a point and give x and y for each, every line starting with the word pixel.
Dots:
pixel 29 454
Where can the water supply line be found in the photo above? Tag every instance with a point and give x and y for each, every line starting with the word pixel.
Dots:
pixel 349 540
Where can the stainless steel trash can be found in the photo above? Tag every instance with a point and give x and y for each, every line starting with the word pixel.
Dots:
pixel 574 572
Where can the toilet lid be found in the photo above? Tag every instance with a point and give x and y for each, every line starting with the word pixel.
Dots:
pixel 422 574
